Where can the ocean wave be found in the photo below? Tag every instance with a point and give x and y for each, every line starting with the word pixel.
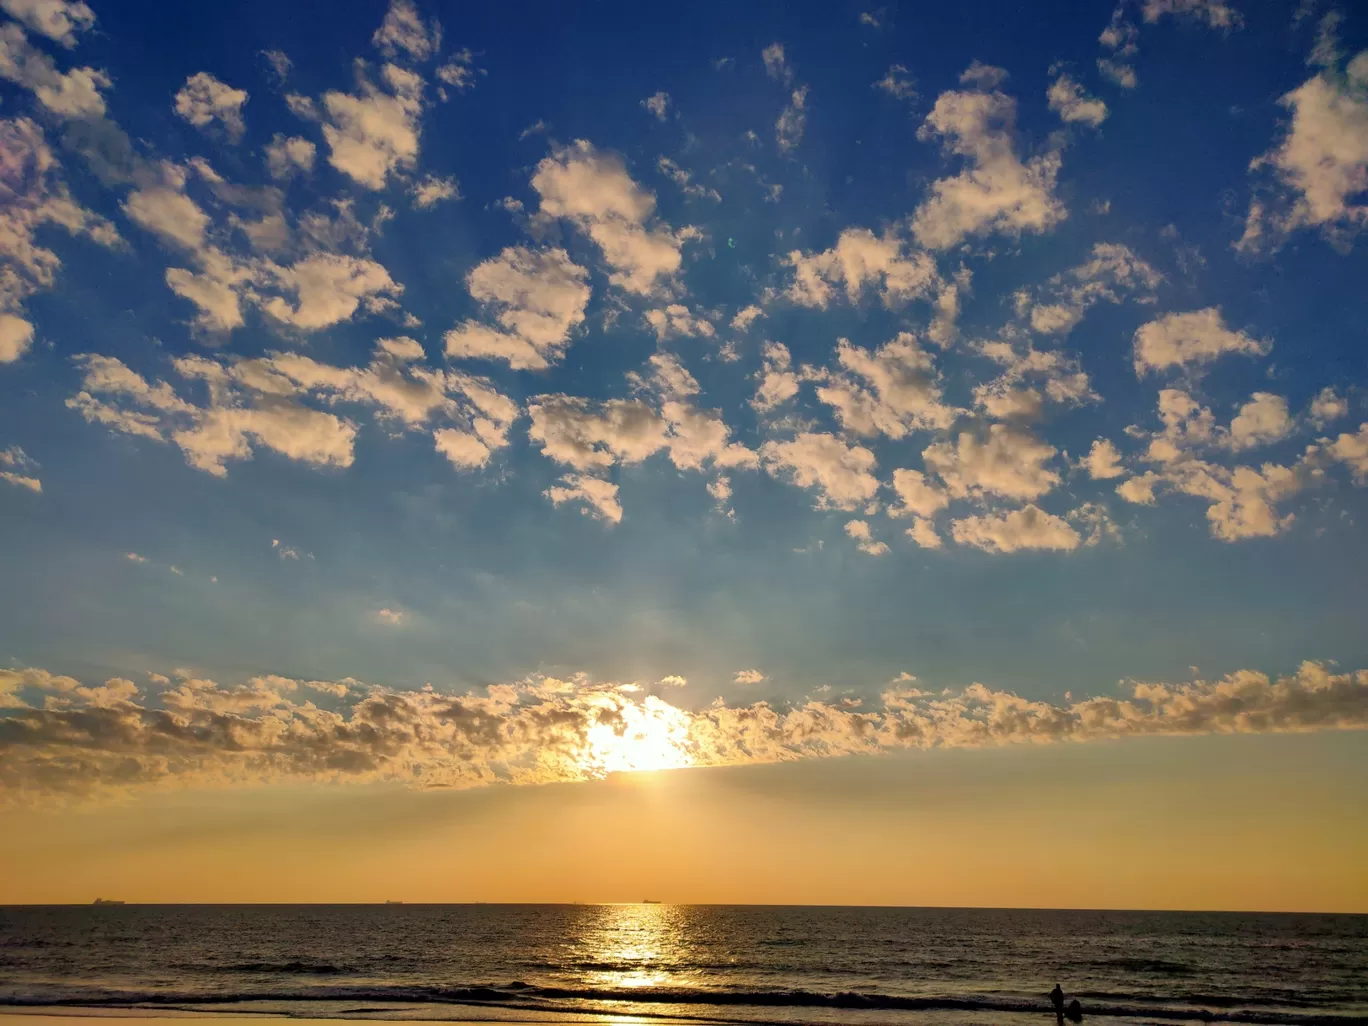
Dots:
pixel 523 995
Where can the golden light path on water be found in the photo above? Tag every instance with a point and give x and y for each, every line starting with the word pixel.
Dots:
pixel 633 946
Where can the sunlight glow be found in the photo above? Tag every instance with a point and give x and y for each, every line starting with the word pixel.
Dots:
pixel 633 738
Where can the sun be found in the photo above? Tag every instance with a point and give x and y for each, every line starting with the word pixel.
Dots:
pixel 645 737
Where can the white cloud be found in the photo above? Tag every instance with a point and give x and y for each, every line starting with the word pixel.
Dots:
pixel 897 83
pixel 1216 13
pixel 841 474
pixel 204 99
pixel 537 298
pixel 593 191
pixel 59 20
pixel 32 196
pixel 1110 273
pixel 745 317
pixel 1140 489
pixel 675 321
pixel 894 390
pixel 1002 460
pixel 1352 451
pixel 1027 528
pixel 598 498
pixel 658 104
pixel 748 677
pixel 430 190
pixel 279 63
pixel 374 132
pixel 1074 105
pixel 1321 166
pixel 1327 406
pixel 459 72
pixel 286 154
pixel 983 76
pixel 683 179
pixel 16 336
pixel 328 289
pixel 403 30
pixel 860 259
pixel 1103 461
pixel 1243 499
pixel 585 435
pixel 995 192
pixel 391 617
pixel 71 94
pixel 788 130
pixel 1262 420
pixel 20 469
pixel 1178 340
pixel 917 496
pixel 923 532
pixel 778 382
pixel 169 214
pixel 864 540
pixel 776 64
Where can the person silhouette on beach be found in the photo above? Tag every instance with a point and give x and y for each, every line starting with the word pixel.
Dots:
pixel 1057 999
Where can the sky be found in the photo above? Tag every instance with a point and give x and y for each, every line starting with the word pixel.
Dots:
pixel 788 440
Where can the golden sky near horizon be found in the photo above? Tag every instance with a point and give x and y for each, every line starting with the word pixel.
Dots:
pixel 1245 822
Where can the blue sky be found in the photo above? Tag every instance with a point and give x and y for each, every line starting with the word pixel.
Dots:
pixel 1099 415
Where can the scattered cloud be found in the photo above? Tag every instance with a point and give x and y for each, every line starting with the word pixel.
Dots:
pixel 59 20
pixel 748 677
pixel 1187 339
pixel 659 105
pixel 1073 105
pixel 204 100
pixel 430 190
pixel 864 539
pixel 1027 528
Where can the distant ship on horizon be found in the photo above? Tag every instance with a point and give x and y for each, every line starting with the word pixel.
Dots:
pixel 108 901
pixel 649 901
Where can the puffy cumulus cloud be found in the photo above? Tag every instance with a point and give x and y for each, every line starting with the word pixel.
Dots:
pixel 590 437
pixel 923 532
pixel 778 380
pixel 917 496
pixel 204 100
pixel 658 104
pixel 1027 528
pixel 1261 421
pixel 59 20
pixel 1320 168
pixel 746 316
pixel 841 474
pixel 286 155
pixel 1029 377
pixel 996 191
pixel 1073 105
pixel 262 401
pixel 858 260
pixel 1243 500
pixel 537 298
pixel 858 530
pixel 459 71
pixel 894 390
pixel 403 32
pixel 1122 36
pixel 1328 405
pixel 1187 339
pixel 1103 461
pixel 373 132
pixel 33 196
pixel 675 321
pixel 59 737
pixel 328 288
pixel 71 94
pixel 1352 451
pixel 592 190
pixel 1140 488
pixel 430 190
pixel 1001 460
pixel 597 498
pixel 16 336
pixel 19 469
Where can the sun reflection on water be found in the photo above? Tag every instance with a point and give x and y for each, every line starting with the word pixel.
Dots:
pixel 634 947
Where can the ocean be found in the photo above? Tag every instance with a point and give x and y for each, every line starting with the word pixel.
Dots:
pixel 652 963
